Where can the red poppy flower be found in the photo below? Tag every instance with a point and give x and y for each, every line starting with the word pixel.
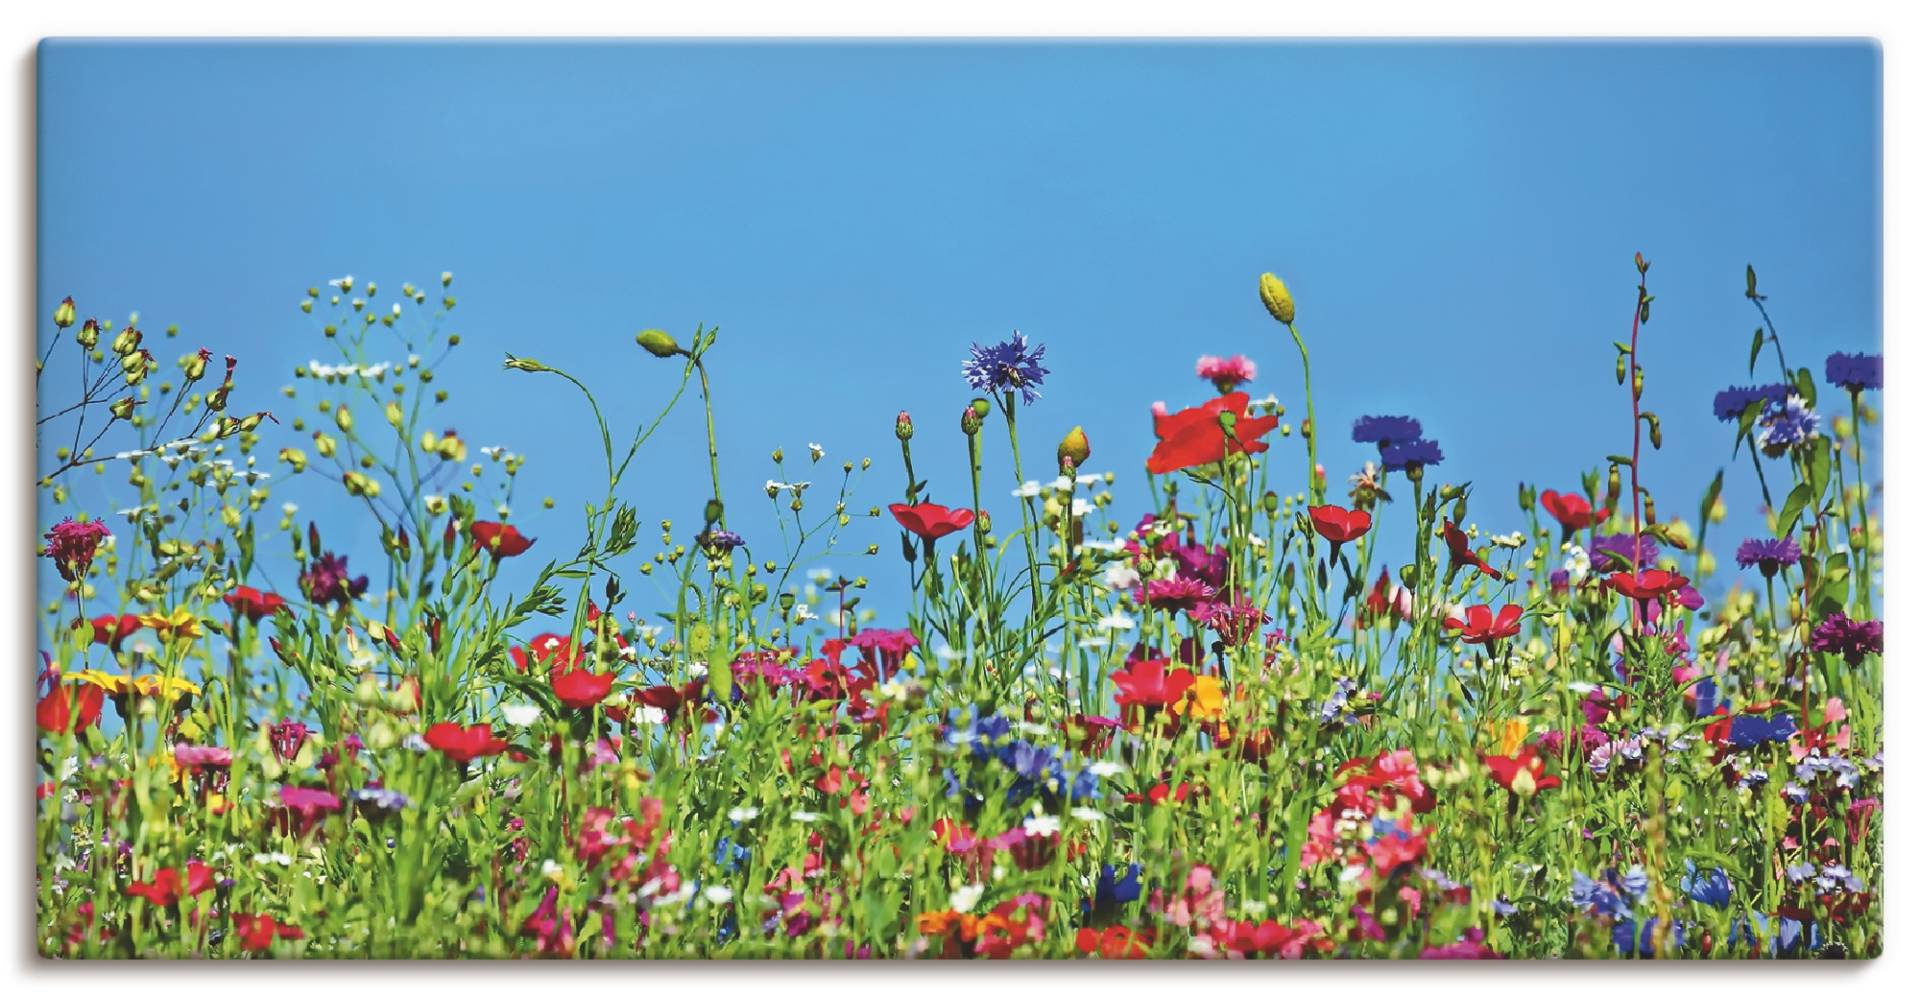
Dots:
pixel 929 521
pixel 1460 554
pixel 1522 775
pixel 69 709
pixel 1148 685
pixel 1115 942
pixel 166 888
pixel 1571 511
pixel 580 688
pixel 464 743
pixel 257 932
pixel 254 603
pixel 1647 584
pixel 1193 437
pixel 110 630
pixel 1340 525
pixel 499 539
pixel 1481 627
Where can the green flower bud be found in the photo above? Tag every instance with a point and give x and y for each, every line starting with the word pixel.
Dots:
pixel 1073 450
pixel 1274 294
pixel 63 315
pixel 658 343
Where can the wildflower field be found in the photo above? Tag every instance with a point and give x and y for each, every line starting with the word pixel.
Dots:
pixel 1232 723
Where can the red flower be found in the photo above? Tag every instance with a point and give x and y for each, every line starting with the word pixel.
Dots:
pixel 499 539
pixel 165 889
pixel 464 743
pixel 110 630
pixel 1340 525
pixel 580 688
pixel 1521 775
pixel 254 603
pixel 1193 437
pixel 1481 627
pixel 69 709
pixel 258 931
pixel 929 521
pixel 1115 942
pixel 1148 685
pixel 1459 554
pixel 1647 584
pixel 1572 511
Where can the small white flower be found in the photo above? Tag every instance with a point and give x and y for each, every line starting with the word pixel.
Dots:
pixel 805 816
pixel 1115 620
pixel 1042 826
pixel 696 670
pixel 966 897
pixel 520 713
pixel 1577 564
pixel 651 716
pixel 289 508
pixel 1063 483
pixel 1087 814
pixel 816 451
pixel 1082 508
pixel 1106 769
pixel 341 283
pixel 741 814
pixel 1030 489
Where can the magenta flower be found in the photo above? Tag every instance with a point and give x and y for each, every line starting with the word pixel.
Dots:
pixel 1227 373
pixel 72 545
pixel 326 580
pixel 1181 593
pixel 1853 639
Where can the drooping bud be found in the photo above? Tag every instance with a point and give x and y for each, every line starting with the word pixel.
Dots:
pixel 64 314
pixel 903 427
pixel 1074 449
pixel 122 409
pixel 89 334
pixel 714 512
pixel 658 343
pixel 1274 294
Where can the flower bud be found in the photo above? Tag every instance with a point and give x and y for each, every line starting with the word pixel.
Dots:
pixel 658 343
pixel 63 315
pixel 1274 294
pixel 343 418
pixel 122 409
pixel 89 334
pixel 394 415
pixel 126 341
pixel 903 427
pixel 294 458
pixel 1074 449
pixel 194 366
pixel 970 420
pixel 524 364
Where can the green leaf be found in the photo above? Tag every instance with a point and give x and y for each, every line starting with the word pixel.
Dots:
pixel 1753 352
pixel 1822 469
pixel 1790 512
pixel 1753 282
pixel 1803 385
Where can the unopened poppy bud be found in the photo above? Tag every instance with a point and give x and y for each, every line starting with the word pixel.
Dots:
pixel 63 314
pixel 1273 294
pixel 1620 369
pixel 1074 449
pixel 658 343
pixel 903 427
pixel 122 409
pixel 1227 422
pixel 1271 502
pixel 1613 485
pixel 981 408
pixel 1449 492
pixel 89 334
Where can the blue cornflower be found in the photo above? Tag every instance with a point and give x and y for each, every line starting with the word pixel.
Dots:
pixel 1633 939
pixel 1411 453
pixel 1597 898
pixel 1855 371
pixel 1752 731
pixel 1706 697
pixel 1713 888
pixel 1787 425
pixel 729 855
pixel 1767 554
pixel 1007 366
pixel 1730 404
pixel 1386 430
pixel 1115 889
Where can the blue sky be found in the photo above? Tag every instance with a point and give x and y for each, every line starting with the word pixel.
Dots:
pixel 1457 223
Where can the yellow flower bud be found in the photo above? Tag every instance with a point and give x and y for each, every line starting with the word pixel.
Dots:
pixel 1279 302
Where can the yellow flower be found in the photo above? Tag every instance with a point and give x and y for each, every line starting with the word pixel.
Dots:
pixel 1204 700
pixel 179 624
pixel 1511 734
pixel 154 686
pixel 112 684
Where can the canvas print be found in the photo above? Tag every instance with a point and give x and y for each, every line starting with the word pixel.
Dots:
pixel 937 500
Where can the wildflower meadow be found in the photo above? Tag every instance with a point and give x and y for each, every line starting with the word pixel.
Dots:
pixel 1585 720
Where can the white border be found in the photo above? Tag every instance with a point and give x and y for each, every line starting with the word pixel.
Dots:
pixel 27 22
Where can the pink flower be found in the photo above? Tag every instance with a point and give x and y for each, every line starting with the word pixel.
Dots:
pixel 71 546
pixel 1226 373
pixel 1178 593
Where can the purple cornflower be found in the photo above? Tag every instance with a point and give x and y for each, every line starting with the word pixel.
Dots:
pixel 1853 639
pixel 1007 366
pixel 1386 430
pixel 1410 454
pixel 719 541
pixel 1787 425
pixel 1730 404
pixel 1616 551
pixel 326 580
pixel 1855 371
pixel 379 798
pixel 1767 554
